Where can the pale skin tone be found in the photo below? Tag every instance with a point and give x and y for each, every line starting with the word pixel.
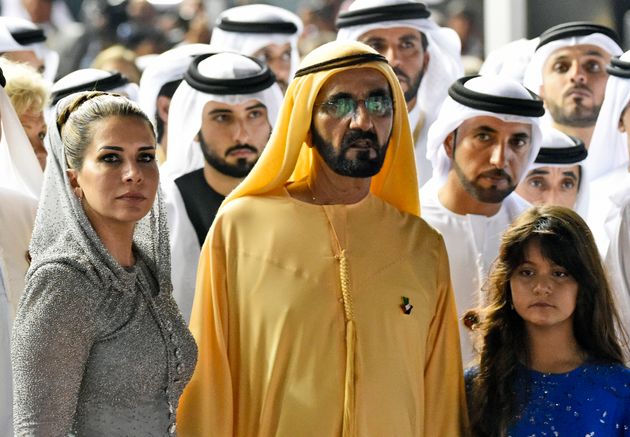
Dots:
pixel 574 79
pixel 484 146
pixel 35 127
pixel 324 186
pixel 544 295
pixel 225 126
pixel 551 186
pixel 118 181
pixel 402 46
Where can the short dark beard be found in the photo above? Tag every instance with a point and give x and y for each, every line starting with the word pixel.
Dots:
pixel 485 195
pixel 238 170
pixel 414 85
pixel 361 167
pixel 580 116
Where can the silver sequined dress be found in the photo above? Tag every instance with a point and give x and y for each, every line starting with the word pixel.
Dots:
pixel 97 349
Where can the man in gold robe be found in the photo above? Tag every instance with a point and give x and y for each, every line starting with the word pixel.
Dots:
pixel 323 304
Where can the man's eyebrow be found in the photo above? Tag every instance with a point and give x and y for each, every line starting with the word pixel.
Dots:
pixel 340 95
pixel 371 93
pixel 563 57
pixel 220 111
pixel 379 92
pixel 594 53
pixel 521 135
pixel 256 106
pixel 373 39
pixel 558 58
pixel 484 128
pixel 538 172
pixel 410 35
pixel 570 173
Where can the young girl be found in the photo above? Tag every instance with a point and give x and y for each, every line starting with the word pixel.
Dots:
pixel 551 361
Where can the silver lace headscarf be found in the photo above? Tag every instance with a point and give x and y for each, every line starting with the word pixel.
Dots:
pixel 64 234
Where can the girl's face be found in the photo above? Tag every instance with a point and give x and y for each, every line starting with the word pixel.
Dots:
pixel 544 294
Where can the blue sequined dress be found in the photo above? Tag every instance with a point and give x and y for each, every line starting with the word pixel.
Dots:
pixel 591 400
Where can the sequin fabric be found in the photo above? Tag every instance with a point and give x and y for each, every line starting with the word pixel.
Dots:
pixel 97 350
pixel 592 400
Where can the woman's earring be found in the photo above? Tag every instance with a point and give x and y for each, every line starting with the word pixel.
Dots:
pixel 79 193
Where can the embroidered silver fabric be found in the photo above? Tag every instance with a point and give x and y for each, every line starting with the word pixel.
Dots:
pixel 96 350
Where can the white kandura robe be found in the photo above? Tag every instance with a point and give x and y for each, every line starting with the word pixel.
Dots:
pixel 17 216
pixel 472 242
pixel 603 214
pixel 609 220
pixel 618 261
pixel 185 249
pixel 419 130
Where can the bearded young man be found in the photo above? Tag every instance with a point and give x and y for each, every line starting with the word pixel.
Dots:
pixel 220 119
pixel 484 139
pixel 323 304
pixel 568 71
pixel 159 81
pixel 424 56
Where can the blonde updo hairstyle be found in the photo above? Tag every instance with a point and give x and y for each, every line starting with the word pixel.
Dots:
pixel 76 121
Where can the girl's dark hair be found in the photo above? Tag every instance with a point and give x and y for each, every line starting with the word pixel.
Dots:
pixel 567 241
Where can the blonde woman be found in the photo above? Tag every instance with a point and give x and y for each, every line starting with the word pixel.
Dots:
pixel 29 93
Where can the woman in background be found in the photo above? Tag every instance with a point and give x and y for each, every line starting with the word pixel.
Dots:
pixel 99 346
pixel 551 358
pixel 29 93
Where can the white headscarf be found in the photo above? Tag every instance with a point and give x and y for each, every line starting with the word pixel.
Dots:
pixel 609 146
pixel 9 44
pixel 167 67
pixel 86 76
pixel 185 113
pixel 452 114
pixel 250 43
pixel 555 139
pixel 510 60
pixel 19 168
pixel 534 73
pixel 445 63
pixel 63 231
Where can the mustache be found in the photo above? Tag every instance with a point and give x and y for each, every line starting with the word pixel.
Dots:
pixel 354 135
pixel 239 147
pixel 496 173
pixel 578 86
pixel 399 72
